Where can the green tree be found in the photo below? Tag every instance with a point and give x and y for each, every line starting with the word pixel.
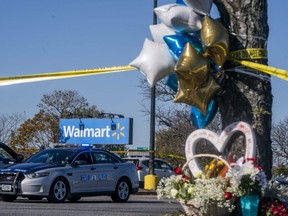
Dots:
pixel 33 133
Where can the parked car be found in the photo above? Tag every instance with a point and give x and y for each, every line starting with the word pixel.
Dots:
pixel 161 168
pixel 69 173
pixel 8 156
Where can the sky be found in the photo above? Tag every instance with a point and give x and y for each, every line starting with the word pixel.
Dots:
pixel 41 36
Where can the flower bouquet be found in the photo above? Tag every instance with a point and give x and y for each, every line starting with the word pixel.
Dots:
pixel 250 182
pixel 201 195
pixel 215 192
pixel 247 177
pixel 275 198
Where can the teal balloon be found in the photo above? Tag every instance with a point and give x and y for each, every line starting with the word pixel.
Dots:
pixel 180 2
pixel 177 42
pixel 172 82
pixel 199 120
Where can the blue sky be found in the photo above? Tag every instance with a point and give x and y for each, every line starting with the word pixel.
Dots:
pixel 40 36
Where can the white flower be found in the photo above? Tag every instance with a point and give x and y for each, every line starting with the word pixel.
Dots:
pixel 173 193
pixel 239 174
pixel 190 190
pixel 199 174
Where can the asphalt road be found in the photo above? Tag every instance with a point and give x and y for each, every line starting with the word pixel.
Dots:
pixel 144 204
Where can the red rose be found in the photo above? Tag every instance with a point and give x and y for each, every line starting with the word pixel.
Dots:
pixel 185 177
pixel 258 167
pixel 249 159
pixel 227 195
pixel 178 170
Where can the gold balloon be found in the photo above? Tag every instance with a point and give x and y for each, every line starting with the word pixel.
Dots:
pixel 196 86
pixel 192 66
pixel 215 40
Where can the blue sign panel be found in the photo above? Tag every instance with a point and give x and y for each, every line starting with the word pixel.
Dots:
pixel 96 131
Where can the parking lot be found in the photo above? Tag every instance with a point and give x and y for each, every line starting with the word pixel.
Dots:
pixel 140 204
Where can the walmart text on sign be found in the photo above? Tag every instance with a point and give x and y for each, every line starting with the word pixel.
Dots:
pixel 96 131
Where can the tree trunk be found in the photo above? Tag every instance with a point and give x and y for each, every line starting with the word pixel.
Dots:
pixel 245 97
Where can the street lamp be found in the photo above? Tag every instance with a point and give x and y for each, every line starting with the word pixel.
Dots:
pixel 111 116
pixel 151 179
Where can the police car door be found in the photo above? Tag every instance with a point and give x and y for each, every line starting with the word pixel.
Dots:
pixel 106 171
pixel 82 173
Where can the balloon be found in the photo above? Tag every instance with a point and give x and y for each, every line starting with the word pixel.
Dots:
pixel 196 86
pixel 176 43
pixel 172 82
pixel 180 2
pixel 154 61
pixel 179 17
pixel 199 120
pixel 159 31
pixel 200 6
pixel 215 40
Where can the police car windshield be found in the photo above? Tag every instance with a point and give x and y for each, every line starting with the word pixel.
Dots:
pixel 4 154
pixel 53 156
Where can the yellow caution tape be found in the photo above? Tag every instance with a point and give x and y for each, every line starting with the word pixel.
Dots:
pixel 237 56
pixel 250 53
pixel 60 75
pixel 175 156
pixel 280 73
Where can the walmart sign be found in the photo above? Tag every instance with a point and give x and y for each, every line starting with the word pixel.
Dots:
pixel 96 131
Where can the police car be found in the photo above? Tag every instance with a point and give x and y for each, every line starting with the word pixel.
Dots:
pixel 60 174
pixel 8 156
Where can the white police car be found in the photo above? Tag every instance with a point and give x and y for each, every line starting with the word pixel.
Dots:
pixel 69 173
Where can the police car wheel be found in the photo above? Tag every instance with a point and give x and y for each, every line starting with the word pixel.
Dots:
pixel 8 198
pixel 122 191
pixel 58 191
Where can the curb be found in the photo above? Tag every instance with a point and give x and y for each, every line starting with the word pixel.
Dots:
pixel 146 192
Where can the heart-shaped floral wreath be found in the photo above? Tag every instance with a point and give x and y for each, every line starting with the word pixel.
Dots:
pixel 219 142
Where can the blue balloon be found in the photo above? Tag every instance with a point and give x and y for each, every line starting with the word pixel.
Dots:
pixel 200 120
pixel 172 82
pixel 177 42
pixel 180 2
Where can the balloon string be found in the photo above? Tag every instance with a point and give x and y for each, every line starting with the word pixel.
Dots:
pixel 251 36
pixel 244 70
pixel 280 73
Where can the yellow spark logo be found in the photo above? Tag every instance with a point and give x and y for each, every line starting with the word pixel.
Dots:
pixel 118 133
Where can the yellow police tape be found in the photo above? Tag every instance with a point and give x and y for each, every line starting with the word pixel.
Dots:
pixel 237 56
pixel 249 53
pixel 60 75
pixel 176 156
pixel 280 73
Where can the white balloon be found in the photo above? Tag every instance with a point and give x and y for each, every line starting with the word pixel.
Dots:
pixel 159 31
pixel 179 17
pixel 154 61
pixel 200 6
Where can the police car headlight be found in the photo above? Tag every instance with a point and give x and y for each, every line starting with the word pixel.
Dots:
pixel 37 175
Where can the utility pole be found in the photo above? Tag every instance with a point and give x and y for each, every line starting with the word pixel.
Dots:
pixel 151 179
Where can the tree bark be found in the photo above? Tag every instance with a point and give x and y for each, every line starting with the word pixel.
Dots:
pixel 245 97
